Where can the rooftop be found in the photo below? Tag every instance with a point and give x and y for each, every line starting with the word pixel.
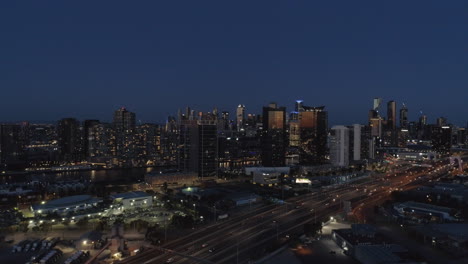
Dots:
pixel 425 206
pixel 67 201
pixel 130 195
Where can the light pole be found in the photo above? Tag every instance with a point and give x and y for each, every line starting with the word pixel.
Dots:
pixel 214 213
pixel 237 251
pixel 315 215
pixel 276 225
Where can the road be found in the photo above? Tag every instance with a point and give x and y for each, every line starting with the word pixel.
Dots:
pixel 241 238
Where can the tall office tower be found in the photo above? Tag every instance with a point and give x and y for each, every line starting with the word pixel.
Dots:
pixel 299 107
pixel 367 143
pixel 170 141
pixel 294 133
pixel 461 136
pixel 441 138
pixel 413 130
pixel 404 117
pixel 372 114
pixel 207 148
pixel 240 117
pixel 70 139
pixel 391 115
pixel 376 127
pixel 273 137
pixel 313 125
pixel 403 137
pixel 441 121
pixel 355 142
pixel 225 122
pixel 339 146
pixel 87 124
pixel 422 120
pixel 11 146
pixel 423 131
pixel 377 103
pixel 197 149
pixel 186 148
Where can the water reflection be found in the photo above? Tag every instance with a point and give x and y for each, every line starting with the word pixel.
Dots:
pixel 114 175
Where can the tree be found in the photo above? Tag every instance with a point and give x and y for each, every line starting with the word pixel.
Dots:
pixel 46 226
pixel 102 224
pixel 23 227
pixel 168 205
pixel 164 187
pixel 139 224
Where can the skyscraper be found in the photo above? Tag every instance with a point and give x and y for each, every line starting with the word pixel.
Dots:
pixel 240 116
pixel 123 120
pixel 70 139
pixel 87 125
pixel 404 117
pixel 339 146
pixel 124 125
pixel 299 107
pixel 391 115
pixel 207 148
pixel 355 142
pixel 197 148
pixel 11 146
pixel 441 138
pixel 313 125
pixel 377 103
pixel 273 137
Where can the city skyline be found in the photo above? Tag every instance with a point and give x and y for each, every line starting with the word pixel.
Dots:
pixel 362 119
pixel 82 62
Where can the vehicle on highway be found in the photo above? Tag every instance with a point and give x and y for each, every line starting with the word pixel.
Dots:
pixel 204 245
pixel 211 250
pixel 170 260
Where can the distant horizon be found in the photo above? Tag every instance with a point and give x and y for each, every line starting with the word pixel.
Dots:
pixel 383 108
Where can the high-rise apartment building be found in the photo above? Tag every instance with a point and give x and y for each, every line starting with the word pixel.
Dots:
pixel 87 125
pixel 123 120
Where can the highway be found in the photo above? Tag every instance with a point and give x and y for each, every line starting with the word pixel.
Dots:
pixel 238 239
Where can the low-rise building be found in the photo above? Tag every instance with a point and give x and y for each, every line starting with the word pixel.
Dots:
pixel 66 205
pixel 383 254
pixel 243 198
pixel 422 210
pixel 268 176
pixel 132 200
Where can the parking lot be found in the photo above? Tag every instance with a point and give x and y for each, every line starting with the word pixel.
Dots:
pixel 51 250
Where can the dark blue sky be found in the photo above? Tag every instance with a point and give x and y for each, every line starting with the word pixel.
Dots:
pixel 87 58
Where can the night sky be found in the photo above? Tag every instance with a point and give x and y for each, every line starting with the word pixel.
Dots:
pixel 85 59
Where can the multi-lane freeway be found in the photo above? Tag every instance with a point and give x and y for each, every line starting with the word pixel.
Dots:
pixel 244 237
